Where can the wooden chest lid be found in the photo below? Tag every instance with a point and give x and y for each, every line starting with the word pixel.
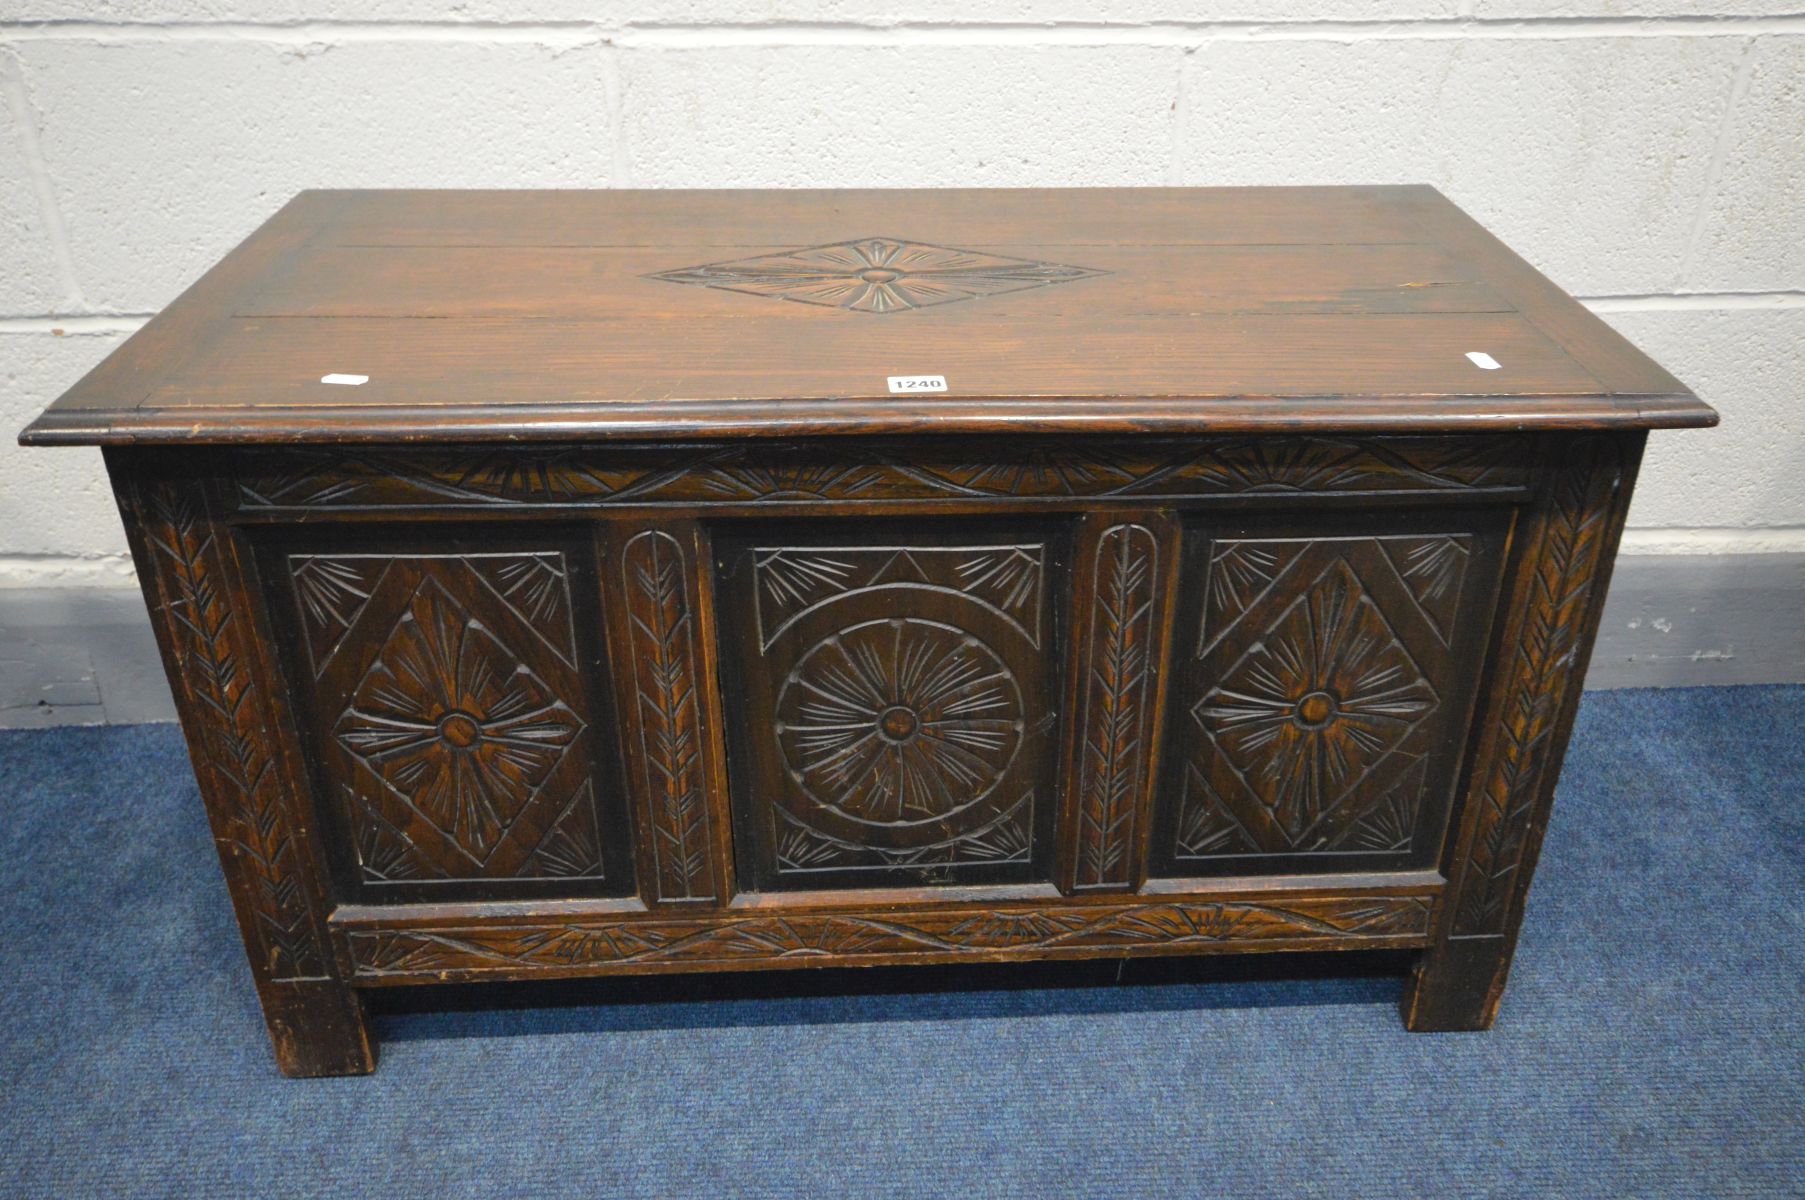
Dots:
pixel 638 314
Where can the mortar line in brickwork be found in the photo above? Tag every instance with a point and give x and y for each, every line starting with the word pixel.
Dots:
pixel 17 97
pixel 1694 301
pixel 73 326
pixel 1740 79
pixel 653 34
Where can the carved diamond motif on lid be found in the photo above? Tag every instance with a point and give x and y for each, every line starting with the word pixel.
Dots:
pixel 1312 706
pixel 877 275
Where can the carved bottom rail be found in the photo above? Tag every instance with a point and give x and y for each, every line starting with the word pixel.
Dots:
pixel 520 948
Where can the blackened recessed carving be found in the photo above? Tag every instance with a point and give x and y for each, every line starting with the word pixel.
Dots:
pixel 877 275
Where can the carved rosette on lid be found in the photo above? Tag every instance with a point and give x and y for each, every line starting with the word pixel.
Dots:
pixel 877 275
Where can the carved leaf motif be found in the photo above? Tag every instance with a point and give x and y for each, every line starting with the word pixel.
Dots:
pixel 1117 705
pixel 456 723
pixel 1321 464
pixel 1206 825
pixel 332 592
pixel 739 474
pixel 1240 573
pixel 1433 568
pixel 1307 710
pixel 664 670
pixel 876 275
pixel 537 588
pixel 229 735
pixel 792 582
pixel 1389 826
pixel 1009 578
pixel 1009 839
pixel 944 932
pixel 1573 542
pixel 735 476
pixel 1057 469
pixel 899 721
pixel 384 853
pixel 572 847
pixel 546 477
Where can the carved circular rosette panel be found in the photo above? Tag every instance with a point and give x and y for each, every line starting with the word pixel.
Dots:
pixel 901 727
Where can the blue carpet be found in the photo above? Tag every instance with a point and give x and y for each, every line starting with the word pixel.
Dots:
pixel 1651 1043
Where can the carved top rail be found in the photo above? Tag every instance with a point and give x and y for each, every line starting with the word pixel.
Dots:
pixel 877 473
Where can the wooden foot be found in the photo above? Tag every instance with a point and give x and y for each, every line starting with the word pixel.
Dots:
pixel 318 1027
pixel 1457 986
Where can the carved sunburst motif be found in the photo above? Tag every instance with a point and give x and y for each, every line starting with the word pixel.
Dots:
pixel 455 723
pixel 899 721
pixel 1316 702
pixel 877 275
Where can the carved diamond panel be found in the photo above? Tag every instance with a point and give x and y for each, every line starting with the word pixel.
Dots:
pixel 1307 711
pixel 454 723
pixel 1321 708
pixel 877 275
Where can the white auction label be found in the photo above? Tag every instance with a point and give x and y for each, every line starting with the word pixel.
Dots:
pixel 345 380
pixel 1483 361
pixel 917 383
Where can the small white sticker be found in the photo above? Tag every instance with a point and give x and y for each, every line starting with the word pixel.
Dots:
pixel 917 383
pixel 1483 361
pixel 347 380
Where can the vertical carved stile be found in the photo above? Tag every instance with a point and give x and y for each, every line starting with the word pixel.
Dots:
pixel 1576 531
pixel 226 729
pixel 1117 697
pixel 662 643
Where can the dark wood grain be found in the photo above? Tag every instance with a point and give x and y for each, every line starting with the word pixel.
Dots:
pixel 444 691
pixel 1321 689
pixel 1559 591
pixel 683 314
pixel 208 630
pixel 846 475
pixel 1221 605
pixel 894 702
pixel 670 729
pixel 1124 588
pixel 541 948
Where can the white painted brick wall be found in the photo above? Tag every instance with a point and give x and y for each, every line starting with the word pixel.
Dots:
pixel 1590 156
pixel 1648 154
pixel 1748 469
pixel 164 156
pixel 54 505
pixel 931 116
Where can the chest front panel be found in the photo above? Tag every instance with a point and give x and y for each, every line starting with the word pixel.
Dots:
pixel 688 674
pixel 1323 685
pixel 447 687
pixel 899 699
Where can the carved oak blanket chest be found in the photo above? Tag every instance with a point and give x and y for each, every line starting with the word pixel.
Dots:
pixel 576 583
